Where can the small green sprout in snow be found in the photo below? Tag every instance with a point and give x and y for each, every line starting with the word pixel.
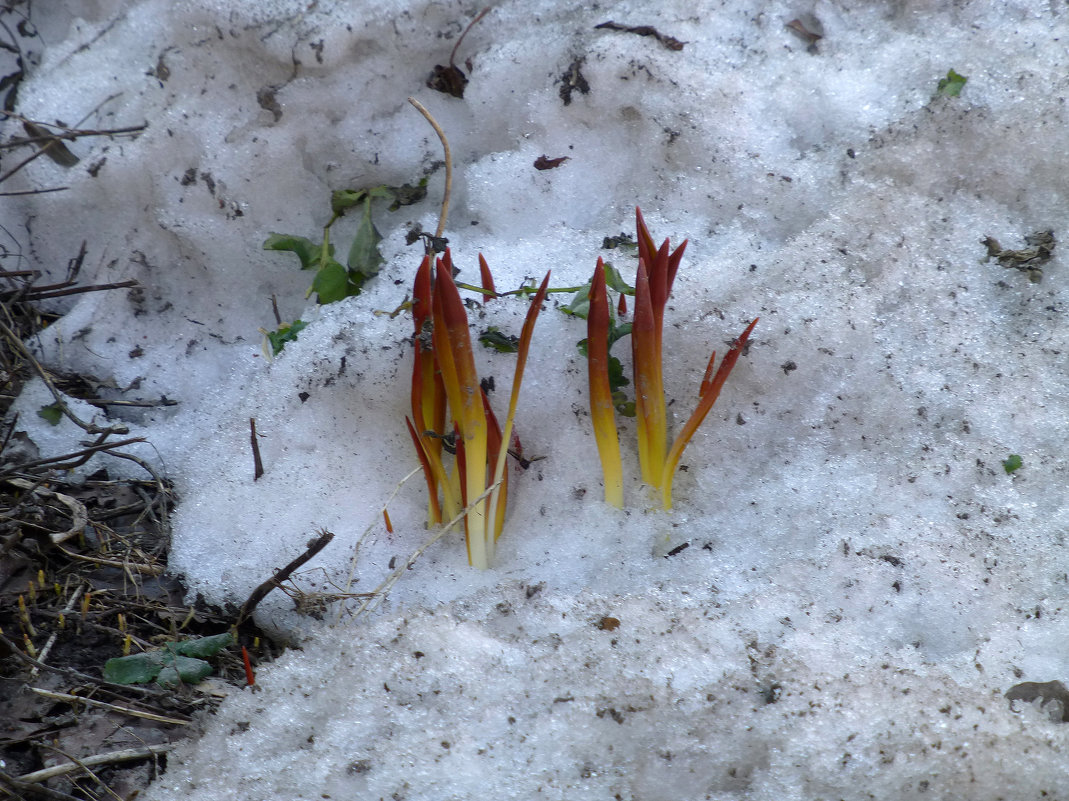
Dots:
pixel 53 413
pixel 287 332
pixel 951 85
pixel 1012 464
pixel 334 280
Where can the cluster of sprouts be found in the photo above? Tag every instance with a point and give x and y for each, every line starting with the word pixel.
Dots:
pixel 452 417
pixel 451 413
pixel 657 269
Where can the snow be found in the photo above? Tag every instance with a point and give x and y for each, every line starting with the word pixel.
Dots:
pixel 862 581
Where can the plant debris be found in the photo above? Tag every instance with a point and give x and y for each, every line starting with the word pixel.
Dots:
pixel 546 163
pixel 83 581
pixel 808 29
pixel 1028 260
pixel 643 30
pixel 1045 692
pixel 450 79
pixel 624 240
pixel 573 81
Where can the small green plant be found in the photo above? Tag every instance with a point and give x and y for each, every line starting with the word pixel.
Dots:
pixel 1012 463
pixel 174 664
pixel 52 413
pixel 286 332
pixel 951 85
pixel 333 280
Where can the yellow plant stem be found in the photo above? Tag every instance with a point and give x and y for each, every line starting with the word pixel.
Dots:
pixel 602 410
pixel 452 346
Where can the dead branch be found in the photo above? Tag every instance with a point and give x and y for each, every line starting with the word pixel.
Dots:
pixel 314 547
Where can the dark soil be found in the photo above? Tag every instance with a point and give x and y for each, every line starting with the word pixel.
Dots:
pixel 83 580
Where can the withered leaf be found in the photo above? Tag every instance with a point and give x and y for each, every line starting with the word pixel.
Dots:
pixel 809 31
pixel 572 80
pixel 53 147
pixel 1029 260
pixel 1044 691
pixel 546 163
pixel 448 80
pixel 644 30
pixel 451 80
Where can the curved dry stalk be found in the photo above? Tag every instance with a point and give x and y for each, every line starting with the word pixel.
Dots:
pixel 448 164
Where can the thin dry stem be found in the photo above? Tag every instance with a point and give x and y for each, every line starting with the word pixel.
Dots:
pixel 448 164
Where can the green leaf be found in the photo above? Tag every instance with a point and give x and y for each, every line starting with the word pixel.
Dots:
pixel 364 256
pixel 502 343
pixel 617 379
pixel 341 200
pixel 202 646
pixel 580 305
pixel 624 407
pixel 307 251
pixel 53 413
pixel 331 283
pixel 173 665
pixel 951 85
pixel 613 280
pixel 1012 463
pixel 136 668
pixel 183 670
pixel 618 332
pixel 287 332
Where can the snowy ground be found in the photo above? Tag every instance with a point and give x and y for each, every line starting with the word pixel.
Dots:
pixel 863 580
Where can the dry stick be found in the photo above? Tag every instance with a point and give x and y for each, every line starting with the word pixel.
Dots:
pixel 73 760
pixel 46 293
pixel 24 352
pixel 27 790
pixel 137 713
pixel 257 463
pixel 448 163
pixel 43 655
pixel 137 567
pixel 379 594
pixel 70 133
pixel 103 404
pixel 314 547
pixel 80 457
pixel 79 515
pixel 367 532
pixel 123 755
pixel 453 54
pixel 33 191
